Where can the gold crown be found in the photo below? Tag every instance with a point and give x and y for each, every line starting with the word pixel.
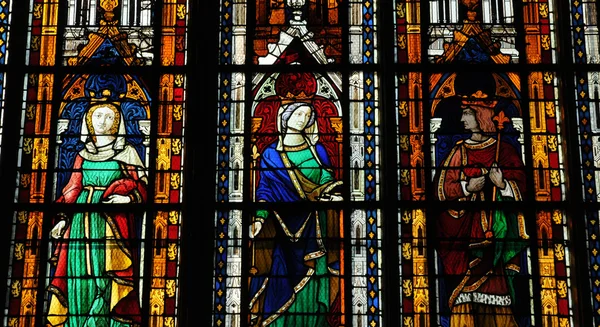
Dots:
pixel 292 98
pixel 478 99
pixel 106 93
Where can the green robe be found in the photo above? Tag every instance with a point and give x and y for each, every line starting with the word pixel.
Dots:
pixel 89 287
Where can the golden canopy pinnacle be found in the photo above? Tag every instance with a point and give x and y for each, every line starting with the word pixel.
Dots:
pixel 109 6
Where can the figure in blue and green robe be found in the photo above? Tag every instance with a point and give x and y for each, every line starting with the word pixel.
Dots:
pixel 297 253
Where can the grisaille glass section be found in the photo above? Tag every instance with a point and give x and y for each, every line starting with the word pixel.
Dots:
pixel 134 18
pixel 481 19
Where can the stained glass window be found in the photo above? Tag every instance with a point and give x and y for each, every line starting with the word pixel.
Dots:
pixel 101 138
pixel 5 15
pixel 479 122
pixel 491 260
pixel 301 131
pixel 327 163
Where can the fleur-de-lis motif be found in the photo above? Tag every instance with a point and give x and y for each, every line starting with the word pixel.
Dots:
pixel 501 119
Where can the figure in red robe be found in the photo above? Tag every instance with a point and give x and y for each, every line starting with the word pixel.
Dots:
pixel 480 246
pixel 96 254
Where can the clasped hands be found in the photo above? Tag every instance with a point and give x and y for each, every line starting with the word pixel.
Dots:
pixel 476 184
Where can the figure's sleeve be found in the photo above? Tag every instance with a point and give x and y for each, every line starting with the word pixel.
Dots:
pixel 513 172
pixel 327 174
pixel 449 180
pixel 73 188
pixel 130 185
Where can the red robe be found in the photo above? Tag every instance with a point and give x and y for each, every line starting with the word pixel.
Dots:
pixel 470 260
pixel 122 226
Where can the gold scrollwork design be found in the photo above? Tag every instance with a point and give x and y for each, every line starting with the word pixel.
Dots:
pixel 407 322
pixel 170 287
pixel 548 77
pixel 35 43
pixel 179 80
pixel 37 11
pixel 181 11
pixel 546 42
pixel 27 145
pixel 562 288
pixel 175 181
pixel 404 142
pixel 30 112
pixel 32 79
pixel 169 322
pixel 550 109
pixel 406 251
pixel 404 177
pixel 180 43
pixel 177 112
pixel 401 10
pixel 559 252
pixel 563 322
pixel 552 143
pixel 555 177
pixel 544 11
pixel 401 41
pixel 172 251
pixel 407 287
pixel 176 147
pixel 173 217
pixel 403 79
pixel 25 180
pixel 22 217
pixel 403 108
pixel 19 251
pixel 406 217
pixel 15 288
pixel 557 217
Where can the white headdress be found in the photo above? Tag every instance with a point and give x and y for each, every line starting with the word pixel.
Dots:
pixel 311 133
